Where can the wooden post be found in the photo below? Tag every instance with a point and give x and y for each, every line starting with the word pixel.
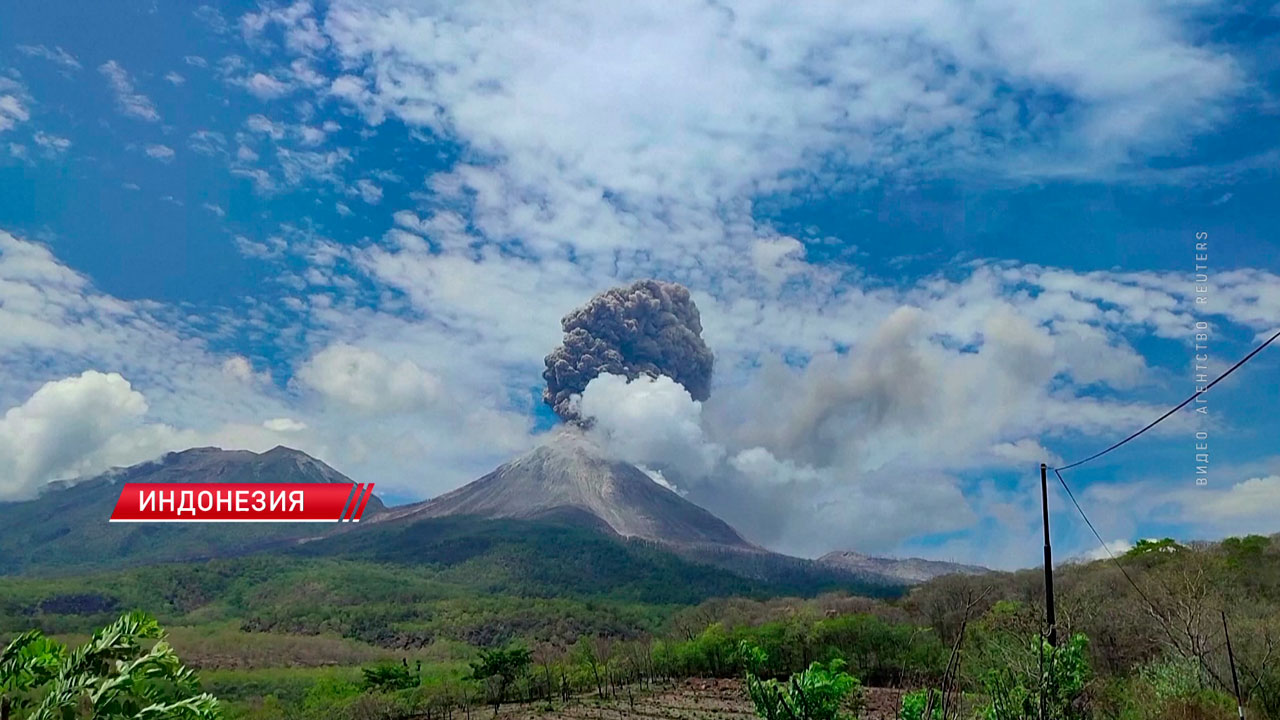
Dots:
pixel 1050 616
pixel 1231 657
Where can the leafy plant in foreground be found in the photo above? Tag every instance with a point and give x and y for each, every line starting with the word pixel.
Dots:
pixel 112 676
pixel 817 693
pixel 916 702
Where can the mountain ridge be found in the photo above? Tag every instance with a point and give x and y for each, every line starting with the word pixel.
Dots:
pixel 910 570
pixel 65 527
pixel 568 481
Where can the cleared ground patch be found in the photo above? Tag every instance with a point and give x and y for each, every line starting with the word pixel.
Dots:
pixel 691 699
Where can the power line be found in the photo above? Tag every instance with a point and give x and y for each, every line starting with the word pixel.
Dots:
pixel 1102 542
pixel 1179 406
pixel 1157 421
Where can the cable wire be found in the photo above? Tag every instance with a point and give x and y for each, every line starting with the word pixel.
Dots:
pixel 1179 406
pixel 1102 542
pixel 1157 421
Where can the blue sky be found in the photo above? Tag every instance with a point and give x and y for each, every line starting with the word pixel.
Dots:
pixel 932 245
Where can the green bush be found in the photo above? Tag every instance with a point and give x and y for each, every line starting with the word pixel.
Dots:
pixel 388 677
pixel 820 692
pixel 1059 682
pixel 914 704
pixel 1181 686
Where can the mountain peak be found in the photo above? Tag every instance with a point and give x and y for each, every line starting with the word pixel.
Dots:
pixel 571 476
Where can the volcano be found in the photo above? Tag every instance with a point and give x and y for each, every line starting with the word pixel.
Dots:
pixel 570 478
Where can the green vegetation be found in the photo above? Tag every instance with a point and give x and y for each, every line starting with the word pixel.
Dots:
pixel 111 676
pixel 819 692
pixel 374 635
pixel 387 677
pixel 1151 547
pixel 1015 692
pixel 499 669
pixel 922 704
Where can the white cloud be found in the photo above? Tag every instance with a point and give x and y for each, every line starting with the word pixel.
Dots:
pixel 286 425
pixel 129 101
pixel 239 368
pixel 409 417
pixel 63 424
pixel 54 55
pixel 163 153
pixel 54 143
pixel 1249 501
pixel 310 135
pixel 263 125
pixel 366 380
pixel 174 78
pixel 1116 547
pixel 650 421
pixel 272 247
pixel 368 191
pixel 208 142
pixel 265 87
pixel 13 107
pixel 212 17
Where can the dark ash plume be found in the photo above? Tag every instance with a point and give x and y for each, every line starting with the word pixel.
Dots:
pixel 647 328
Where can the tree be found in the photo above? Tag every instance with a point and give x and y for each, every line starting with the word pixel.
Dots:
pixel 501 667
pixel 1149 547
pixel 112 675
pixel 389 677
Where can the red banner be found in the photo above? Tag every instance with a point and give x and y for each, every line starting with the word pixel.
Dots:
pixel 242 502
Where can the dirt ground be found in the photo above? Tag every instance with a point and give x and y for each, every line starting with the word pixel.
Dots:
pixel 694 699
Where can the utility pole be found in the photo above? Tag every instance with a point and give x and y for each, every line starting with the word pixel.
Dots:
pixel 1232 658
pixel 1050 616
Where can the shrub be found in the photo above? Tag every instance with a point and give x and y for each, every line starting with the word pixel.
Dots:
pixel 817 693
pixel 388 677
pixel 1059 682
pixel 915 702
pixel 1181 688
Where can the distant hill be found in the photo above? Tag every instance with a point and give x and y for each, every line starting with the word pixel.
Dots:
pixel 904 570
pixel 65 528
